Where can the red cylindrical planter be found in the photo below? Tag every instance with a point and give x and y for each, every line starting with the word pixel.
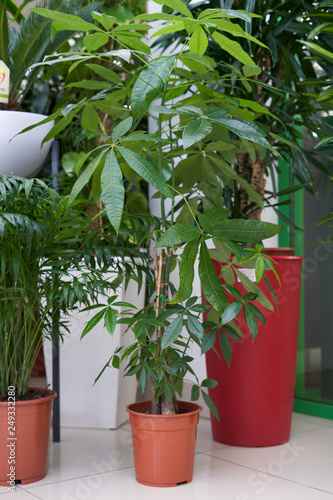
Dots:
pixel 164 445
pixel 254 396
pixel 27 449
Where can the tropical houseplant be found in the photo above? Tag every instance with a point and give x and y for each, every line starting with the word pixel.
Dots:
pixel 42 281
pixel 161 347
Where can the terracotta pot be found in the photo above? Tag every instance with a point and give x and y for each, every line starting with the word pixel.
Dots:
pixel 164 445
pixel 29 446
pixel 254 396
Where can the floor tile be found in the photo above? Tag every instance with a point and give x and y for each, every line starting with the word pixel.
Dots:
pixel 88 451
pixel 213 479
pixel 205 441
pixel 302 423
pixel 18 494
pixel 307 459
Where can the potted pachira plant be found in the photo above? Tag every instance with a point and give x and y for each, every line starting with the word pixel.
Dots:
pixel 166 328
pixel 46 273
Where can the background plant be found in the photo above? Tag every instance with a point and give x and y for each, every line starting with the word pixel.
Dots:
pixel 294 85
pixel 161 348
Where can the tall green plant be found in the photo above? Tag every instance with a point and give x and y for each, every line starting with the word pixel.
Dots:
pixel 161 349
pixel 47 270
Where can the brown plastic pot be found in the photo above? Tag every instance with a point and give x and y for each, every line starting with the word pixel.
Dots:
pixel 29 447
pixel 164 445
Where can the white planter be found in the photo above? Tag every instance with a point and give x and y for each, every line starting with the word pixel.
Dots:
pixel 22 156
pixel 101 406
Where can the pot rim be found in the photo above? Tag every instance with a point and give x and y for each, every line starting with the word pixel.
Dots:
pixel 51 394
pixel 129 409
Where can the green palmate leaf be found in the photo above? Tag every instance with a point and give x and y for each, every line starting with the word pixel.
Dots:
pixel 66 21
pixel 195 326
pixel 251 321
pixel 233 48
pixel 105 73
pixel 121 129
pixel 215 215
pixel 225 346
pixel 210 282
pixel 210 405
pixel 198 59
pixel 242 128
pixel 186 272
pixel 85 177
pixel 198 42
pixel 177 5
pixel 132 41
pixel 231 311
pixel 172 332
pixel 236 30
pixel 93 322
pixel 113 191
pixel 157 16
pixel 245 230
pixel 195 131
pixel 110 320
pixel 252 287
pixel 95 41
pixel 150 84
pixel 177 234
pixel 146 170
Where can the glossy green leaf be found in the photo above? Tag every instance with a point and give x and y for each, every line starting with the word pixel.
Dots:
pixel 195 392
pixel 110 320
pixel 177 5
pixel 90 119
pixel 210 282
pixel 250 286
pixel 186 272
pixel 177 234
pixel 172 332
pixel 195 131
pixel 209 382
pixel 66 21
pixel 245 230
pixel 172 28
pixel 195 326
pixel 106 21
pixel 85 177
pixel 236 30
pixel 233 48
pixel 107 74
pixel 198 42
pixel 259 268
pixel 95 41
pixel 210 405
pixel 121 129
pixel 258 314
pixel 150 84
pixel 145 169
pixel 231 311
pixel 318 49
pixel 143 380
pixel 93 322
pixel 251 321
pixel 242 128
pixel 225 346
pixel 208 341
pixel 113 191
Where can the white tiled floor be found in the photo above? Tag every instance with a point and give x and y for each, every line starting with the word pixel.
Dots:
pixel 98 465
